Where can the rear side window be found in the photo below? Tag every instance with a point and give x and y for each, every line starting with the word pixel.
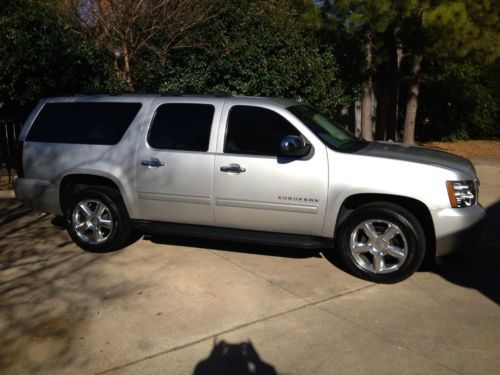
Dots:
pixel 256 131
pixel 83 123
pixel 182 126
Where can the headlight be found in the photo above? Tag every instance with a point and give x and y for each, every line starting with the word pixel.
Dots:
pixel 463 193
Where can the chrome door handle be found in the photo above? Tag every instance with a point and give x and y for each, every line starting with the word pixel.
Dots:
pixel 153 162
pixel 232 168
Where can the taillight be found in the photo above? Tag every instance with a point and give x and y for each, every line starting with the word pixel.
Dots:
pixel 19 159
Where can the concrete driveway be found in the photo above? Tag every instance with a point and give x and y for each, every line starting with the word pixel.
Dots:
pixel 181 306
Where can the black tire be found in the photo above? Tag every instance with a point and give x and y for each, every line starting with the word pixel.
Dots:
pixel 409 242
pixel 118 229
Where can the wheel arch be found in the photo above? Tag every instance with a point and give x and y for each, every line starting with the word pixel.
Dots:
pixel 71 180
pixel 416 207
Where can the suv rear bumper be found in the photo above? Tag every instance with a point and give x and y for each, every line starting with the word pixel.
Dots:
pixel 39 194
pixel 457 228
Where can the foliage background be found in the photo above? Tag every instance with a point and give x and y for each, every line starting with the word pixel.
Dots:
pixel 261 47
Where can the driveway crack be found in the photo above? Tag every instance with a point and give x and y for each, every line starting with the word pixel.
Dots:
pixel 261 277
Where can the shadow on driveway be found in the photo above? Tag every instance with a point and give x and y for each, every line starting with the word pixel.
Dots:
pixel 479 267
pixel 48 288
pixel 232 359
pixel 238 247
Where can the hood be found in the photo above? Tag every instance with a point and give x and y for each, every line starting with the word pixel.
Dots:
pixel 415 154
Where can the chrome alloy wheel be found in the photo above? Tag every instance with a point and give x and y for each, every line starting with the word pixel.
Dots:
pixel 378 246
pixel 92 221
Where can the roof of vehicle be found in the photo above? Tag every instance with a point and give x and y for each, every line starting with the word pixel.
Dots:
pixel 243 99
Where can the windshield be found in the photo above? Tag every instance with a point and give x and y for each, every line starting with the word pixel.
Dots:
pixel 330 133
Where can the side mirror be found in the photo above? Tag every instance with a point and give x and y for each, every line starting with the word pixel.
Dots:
pixel 293 145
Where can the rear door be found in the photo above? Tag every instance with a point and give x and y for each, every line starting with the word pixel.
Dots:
pixel 254 187
pixel 175 159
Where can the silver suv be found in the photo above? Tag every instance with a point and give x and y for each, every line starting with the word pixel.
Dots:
pixel 271 171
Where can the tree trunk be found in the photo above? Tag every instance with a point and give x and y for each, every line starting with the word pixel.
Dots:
pixel 357 118
pixel 382 108
pixel 126 68
pixel 412 101
pixel 396 55
pixel 366 100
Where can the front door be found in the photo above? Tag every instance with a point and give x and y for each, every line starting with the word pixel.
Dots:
pixel 258 190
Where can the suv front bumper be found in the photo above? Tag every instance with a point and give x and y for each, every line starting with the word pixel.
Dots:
pixel 457 228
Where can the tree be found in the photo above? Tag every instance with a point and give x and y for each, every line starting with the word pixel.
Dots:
pixel 395 35
pixel 414 86
pixel 366 19
pixel 129 28
pixel 387 83
pixel 40 55
pixel 460 100
pixel 366 100
pixel 257 47
pixel 448 30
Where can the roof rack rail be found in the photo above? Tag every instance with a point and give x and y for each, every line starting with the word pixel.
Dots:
pixel 83 93
pixel 180 93
pixel 171 93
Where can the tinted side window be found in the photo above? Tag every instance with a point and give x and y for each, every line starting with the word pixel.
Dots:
pixel 83 123
pixel 256 131
pixel 182 127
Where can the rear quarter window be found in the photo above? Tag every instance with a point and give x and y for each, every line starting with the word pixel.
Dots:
pixel 83 123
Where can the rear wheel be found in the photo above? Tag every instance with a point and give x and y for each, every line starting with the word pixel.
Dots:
pixel 98 220
pixel 381 242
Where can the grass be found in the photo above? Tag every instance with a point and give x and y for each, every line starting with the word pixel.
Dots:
pixel 468 149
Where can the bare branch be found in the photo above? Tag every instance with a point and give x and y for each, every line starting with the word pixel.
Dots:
pixel 129 27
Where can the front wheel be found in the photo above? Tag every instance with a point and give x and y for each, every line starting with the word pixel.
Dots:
pixel 98 220
pixel 381 242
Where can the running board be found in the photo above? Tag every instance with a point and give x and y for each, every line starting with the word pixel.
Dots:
pixel 229 234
